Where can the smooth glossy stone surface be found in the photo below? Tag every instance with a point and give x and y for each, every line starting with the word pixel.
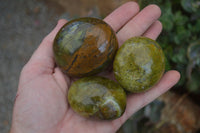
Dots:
pixel 85 47
pixel 97 97
pixel 139 64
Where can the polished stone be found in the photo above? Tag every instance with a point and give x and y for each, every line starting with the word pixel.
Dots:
pixel 97 97
pixel 84 47
pixel 139 64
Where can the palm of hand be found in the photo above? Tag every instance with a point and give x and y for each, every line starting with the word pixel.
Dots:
pixel 41 104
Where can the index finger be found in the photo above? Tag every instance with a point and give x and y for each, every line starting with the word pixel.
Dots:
pixel 119 17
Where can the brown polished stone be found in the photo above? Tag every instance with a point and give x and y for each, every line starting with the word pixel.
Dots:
pixel 84 47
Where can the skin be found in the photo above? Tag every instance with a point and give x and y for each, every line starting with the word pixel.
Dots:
pixel 41 105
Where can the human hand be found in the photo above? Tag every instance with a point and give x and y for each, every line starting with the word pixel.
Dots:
pixel 41 105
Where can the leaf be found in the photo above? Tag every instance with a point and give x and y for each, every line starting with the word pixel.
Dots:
pixel 190 5
pixel 181 69
pixel 167 64
pixel 179 56
pixel 194 84
pixel 193 53
pixel 182 35
pixel 195 28
pixel 167 17
pixel 180 19
pixel 144 3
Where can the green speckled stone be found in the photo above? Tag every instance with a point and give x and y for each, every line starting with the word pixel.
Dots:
pixel 84 47
pixel 97 97
pixel 139 64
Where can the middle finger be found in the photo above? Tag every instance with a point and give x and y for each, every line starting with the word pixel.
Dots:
pixel 140 23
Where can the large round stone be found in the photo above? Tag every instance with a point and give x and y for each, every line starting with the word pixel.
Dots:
pixel 84 47
pixel 139 64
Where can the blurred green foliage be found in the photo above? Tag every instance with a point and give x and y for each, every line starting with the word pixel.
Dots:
pixel 180 39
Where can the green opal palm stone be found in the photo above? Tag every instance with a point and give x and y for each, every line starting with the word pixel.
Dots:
pixel 139 64
pixel 97 97
pixel 84 47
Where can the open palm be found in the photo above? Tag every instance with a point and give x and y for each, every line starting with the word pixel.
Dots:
pixel 41 104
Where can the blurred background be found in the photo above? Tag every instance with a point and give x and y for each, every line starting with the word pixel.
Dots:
pixel 23 24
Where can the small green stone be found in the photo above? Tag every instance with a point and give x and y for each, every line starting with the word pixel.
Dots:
pixel 139 64
pixel 97 97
